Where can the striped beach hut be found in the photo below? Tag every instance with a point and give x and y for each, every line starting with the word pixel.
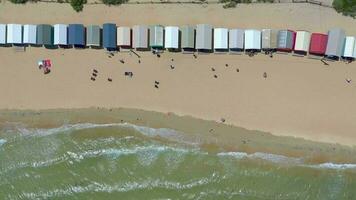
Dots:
pixel 349 48
pixel 318 42
pixel 76 35
pixel 236 40
pixel 93 34
pixel 286 40
pixel 45 35
pixel 140 37
pixel 334 47
pixel 171 38
pixel 156 36
pixel 124 37
pixel 60 34
pixel 29 34
pixel 2 34
pixel 109 36
pixel 204 37
pixel 269 39
pixel 221 38
pixel 302 42
pixel 14 34
pixel 188 36
pixel 252 40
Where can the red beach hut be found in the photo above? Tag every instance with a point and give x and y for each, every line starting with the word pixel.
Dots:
pixel 318 42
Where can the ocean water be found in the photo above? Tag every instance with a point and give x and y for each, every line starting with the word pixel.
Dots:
pixel 125 161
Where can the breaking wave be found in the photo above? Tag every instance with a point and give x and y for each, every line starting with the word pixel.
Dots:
pixel 2 142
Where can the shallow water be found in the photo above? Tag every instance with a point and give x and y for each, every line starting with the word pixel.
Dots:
pixel 111 161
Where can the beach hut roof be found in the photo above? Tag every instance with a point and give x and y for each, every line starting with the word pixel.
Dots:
pixel 188 37
pixel 236 39
pixel 252 39
pixel 109 36
pixel 349 47
pixel 335 43
pixel 302 41
pixel 269 38
pixel 60 34
pixel 14 34
pixel 93 36
pixel 156 36
pixel 76 34
pixel 2 33
pixel 45 34
pixel 286 40
pixel 220 38
pixel 140 36
pixel 318 43
pixel 204 37
pixel 124 36
pixel 171 39
pixel 29 34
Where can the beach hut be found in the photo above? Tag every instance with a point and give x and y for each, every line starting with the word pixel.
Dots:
pixel 124 37
pixel 286 40
pixel 188 36
pixel 335 43
pixel 45 35
pixel 93 36
pixel 252 40
pixel 29 34
pixel 302 42
pixel 236 40
pixel 140 37
pixel 349 47
pixel 60 37
pixel 2 34
pixel 156 36
pixel 204 37
pixel 221 39
pixel 318 42
pixel 171 37
pixel 14 34
pixel 269 39
pixel 109 36
pixel 76 35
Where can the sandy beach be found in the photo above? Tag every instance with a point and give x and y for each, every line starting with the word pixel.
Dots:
pixel 300 97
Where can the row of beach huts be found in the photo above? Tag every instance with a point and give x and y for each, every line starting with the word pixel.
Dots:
pixel 202 38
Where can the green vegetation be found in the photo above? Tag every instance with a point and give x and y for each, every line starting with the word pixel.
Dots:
pixel 346 7
pixel 233 3
pixel 78 4
pixel 114 2
pixel 265 1
pixel 18 1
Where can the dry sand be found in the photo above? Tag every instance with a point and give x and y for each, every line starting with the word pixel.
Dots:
pixel 300 97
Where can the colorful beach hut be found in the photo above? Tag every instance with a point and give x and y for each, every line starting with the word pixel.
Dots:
pixel 221 39
pixel 76 35
pixel 269 39
pixel 2 34
pixel 60 37
pixel 45 35
pixel 286 40
pixel 124 37
pixel 109 36
pixel 188 36
pixel 318 42
pixel 204 37
pixel 349 47
pixel 140 37
pixel 236 40
pixel 171 38
pixel 93 34
pixel 252 40
pixel 156 36
pixel 29 34
pixel 14 34
pixel 302 42
pixel 334 47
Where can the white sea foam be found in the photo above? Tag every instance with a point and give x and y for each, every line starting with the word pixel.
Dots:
pixel 334 166
pixel 2 142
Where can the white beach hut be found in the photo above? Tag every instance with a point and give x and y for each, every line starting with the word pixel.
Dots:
pixel 171 40
pixel 302 41
pixel 60 34
pixel 221 39
pixel 29 34
pixel 252 40
pixel 236 40
pixel 349 47
pixel 123 36
pixel 14 34
pixel 2 34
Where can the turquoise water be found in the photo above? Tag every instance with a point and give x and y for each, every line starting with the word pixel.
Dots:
pixel 124 161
